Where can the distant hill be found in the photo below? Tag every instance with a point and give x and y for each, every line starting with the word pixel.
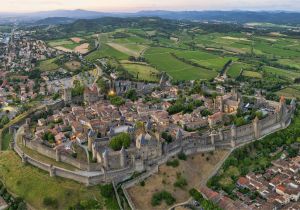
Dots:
pixel 54 21
pixel 277 17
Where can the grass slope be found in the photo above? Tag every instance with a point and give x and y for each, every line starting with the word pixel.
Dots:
pixel 48 65
pixel 34 185
pixel 144 72
pixel 106 51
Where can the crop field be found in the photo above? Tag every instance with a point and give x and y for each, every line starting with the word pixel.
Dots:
pixel 213 50
pixel 235 69
pixel 60 42
pixel 289 74
pixel 294 63
pixel 208 60
pixel 253 74
pixel 48 65
pixel 161 59
pixel 64 43
pixel 106 51
pixel 290 92
pixel 129 49
pixel 142 72
pixel 132 40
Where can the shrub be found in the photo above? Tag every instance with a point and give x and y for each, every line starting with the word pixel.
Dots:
pixel 142 183
pixel 158 197
pixel 173 163
pixel 49 201
pixel 107 190
pixel 182 156
pixel 180 182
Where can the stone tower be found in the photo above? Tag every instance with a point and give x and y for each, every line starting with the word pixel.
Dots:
pixel 67 95
pixel 221 134
pixel 105 158
pixel 148 126
pixel 256 127
pixel 221 104
pixel 233 132
pixel 213 135
pixel 179 135
pixel 123 157
pixel 91 139
pixel 163 80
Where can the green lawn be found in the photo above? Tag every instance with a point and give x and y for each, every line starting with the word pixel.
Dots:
pixel 33 185
pixel 144 72
pixel 70 46
pixel 48 65
pixel 6 140
pixel 60 42
pixel 164 61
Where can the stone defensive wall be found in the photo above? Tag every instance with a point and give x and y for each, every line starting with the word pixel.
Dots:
pixel 95 173
pixel 53 154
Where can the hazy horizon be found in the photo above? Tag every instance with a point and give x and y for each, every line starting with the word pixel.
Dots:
pixel 18 6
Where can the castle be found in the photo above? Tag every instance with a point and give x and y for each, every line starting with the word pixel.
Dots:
pixel 148 148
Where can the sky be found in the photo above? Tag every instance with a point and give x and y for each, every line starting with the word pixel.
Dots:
pixel 137 5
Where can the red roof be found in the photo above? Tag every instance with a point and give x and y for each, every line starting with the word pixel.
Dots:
pixel 242 181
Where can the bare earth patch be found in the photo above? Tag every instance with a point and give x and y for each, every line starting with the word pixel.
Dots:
pixel 196 170
pixel 63 49
pixel 76 39
pixel 73 65
pixel 83 48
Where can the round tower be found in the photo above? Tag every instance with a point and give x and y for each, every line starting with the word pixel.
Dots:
pixel 123 157
pixel 105 158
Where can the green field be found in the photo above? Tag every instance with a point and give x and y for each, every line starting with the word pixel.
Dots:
pixel 48 65
pixel 129 49
pixel 294 63
pixel 33 185
pixel 66 43
pixel 144 72
pixel 290 92
pixel 59 42
pixel 198 54
pixel 289 74
pixel 164 61
pixel 253 74
pixel 106 51
pixel 235 69
pixel 208 60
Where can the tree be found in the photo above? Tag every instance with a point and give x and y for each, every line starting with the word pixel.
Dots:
pixel 116 100
pixel 119 141
pixel 107 190
pixel 102 85
pixel 131 94
pixel 48 136
pixel 78 89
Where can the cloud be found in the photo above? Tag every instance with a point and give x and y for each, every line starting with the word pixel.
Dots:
pixel 133 5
